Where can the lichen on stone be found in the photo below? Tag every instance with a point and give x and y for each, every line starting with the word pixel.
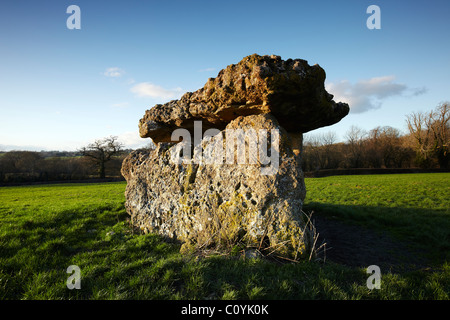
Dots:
pixel 230 206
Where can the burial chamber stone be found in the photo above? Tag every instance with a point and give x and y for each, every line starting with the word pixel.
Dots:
pixel 220 201
pixel 291 90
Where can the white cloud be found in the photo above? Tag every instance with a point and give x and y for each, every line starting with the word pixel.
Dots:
pixel 113 72
pixel 207 70
pixel 368 94
pixel 146 89
pixel 419 91
pixel 120 105
pixel 132 140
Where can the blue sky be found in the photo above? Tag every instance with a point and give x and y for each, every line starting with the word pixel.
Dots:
pixel 61 89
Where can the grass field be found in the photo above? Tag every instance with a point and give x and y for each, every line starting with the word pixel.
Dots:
pixel 412 207
pixel 45 229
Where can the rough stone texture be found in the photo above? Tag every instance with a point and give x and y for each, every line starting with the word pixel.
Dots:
pixel 291 90
pixel 220 205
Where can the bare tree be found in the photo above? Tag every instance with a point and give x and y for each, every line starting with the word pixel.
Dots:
pixel 373 148
pixel 355 140
pixel 383 147
pixel 21 161
pixel 102 151
pixel 320 151
pixel 431 132
pixel 328 138
pixel 311 152
pixel 440 130
pixel 328 144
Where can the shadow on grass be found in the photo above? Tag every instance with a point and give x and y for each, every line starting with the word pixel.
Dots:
pixel 400 239
pixel 119 264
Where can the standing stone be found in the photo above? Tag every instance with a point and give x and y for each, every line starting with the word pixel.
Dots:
pixel 213 200
pixel 293 91
pixel 219 205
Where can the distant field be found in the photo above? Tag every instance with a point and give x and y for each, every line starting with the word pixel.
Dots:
pixel 413 207
pixel 44 229
pixel 417 191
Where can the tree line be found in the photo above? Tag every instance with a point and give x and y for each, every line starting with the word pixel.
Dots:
pixel 426 145
pixel 100 159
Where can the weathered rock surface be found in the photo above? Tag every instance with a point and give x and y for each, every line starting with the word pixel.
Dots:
pixel 220 205
pixel 291 90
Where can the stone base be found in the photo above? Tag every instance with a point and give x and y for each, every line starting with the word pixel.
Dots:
pixel 220 205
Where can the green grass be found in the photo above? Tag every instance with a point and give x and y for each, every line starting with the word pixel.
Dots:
pixel 45 229
pixel 412 207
